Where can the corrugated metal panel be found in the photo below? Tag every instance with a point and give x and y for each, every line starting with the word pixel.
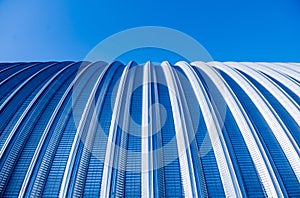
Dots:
pixel 201 129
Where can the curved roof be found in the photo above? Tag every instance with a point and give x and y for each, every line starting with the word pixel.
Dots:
pixel 190 129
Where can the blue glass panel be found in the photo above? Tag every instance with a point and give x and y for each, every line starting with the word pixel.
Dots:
pixel 281 166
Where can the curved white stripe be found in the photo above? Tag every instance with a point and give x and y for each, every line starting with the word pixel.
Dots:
pixel 291 66
pixel 12 66
pixel 277 126
pixel 110 148
pixel 183 146
pixel 88 145
pixel 227 173
pixel 125 116
pixel 22 85
pixel 45 134
pixel 276 73
pixel 147 147
pixel 287 102
pixel 156 126
pixel 294 66
pixel 19 71
pixel 70 163
pixel 32 102
pixel 286 68
pixel 190 130
pixel 268 180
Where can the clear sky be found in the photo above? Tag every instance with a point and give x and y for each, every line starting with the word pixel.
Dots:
pixel 232 30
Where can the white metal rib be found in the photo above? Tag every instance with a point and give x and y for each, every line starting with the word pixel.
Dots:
pixel 22 85
pixel 190 133
pixel 157 123
pixel 125 116
pixel 254 145
pixel 227 173
pixel 88 144
pixel 70 163
pixel 290 68
pixel 282 134
pixel 110 147
pixel 12 66
pixel 45 134
pixel 285 68
pixel 18 72
pixel 295 66
pixel 283 98
pixel 260 161
pixel 147 147
pixel 32 102
pixel 183 146
pixel 276 73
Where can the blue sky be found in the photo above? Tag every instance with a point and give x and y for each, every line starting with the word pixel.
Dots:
pixel 233 30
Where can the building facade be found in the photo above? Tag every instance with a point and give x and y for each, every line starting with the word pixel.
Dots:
pixel 185 130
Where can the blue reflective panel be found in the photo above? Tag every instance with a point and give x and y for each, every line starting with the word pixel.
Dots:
pixel 17 105
pixel 54 179
pixel 158 172
pixel 286 89
pixel 210 168
pixel 172 176
pixel 290 123
pixel 33 128
pixel 96 157
pixel 86 172
pixel 55 175
pixel 132 183
pixel 10 69
pixel 281 166
pixel 48 152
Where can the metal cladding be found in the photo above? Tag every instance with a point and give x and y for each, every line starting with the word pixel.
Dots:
pixel 211 129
